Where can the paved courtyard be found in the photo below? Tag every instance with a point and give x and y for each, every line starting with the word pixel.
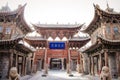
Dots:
pixel 58 75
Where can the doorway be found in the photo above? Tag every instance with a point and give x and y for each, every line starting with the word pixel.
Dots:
pixel 55 64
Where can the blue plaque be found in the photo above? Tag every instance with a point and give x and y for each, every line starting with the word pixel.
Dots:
pixel 57 45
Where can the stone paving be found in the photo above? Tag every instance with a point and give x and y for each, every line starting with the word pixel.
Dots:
pixel 59 75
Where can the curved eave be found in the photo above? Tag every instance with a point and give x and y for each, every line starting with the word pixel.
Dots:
pixel 93 22
pixel 93 47
pixel 105 13
pixel 33 41
pixel 10 41
pixel 80 40
pixel 109 42
pixel 23 48
pixel 21 13
pixel 53 28
pixel 101 41
pixel 99 13
pixel 5 13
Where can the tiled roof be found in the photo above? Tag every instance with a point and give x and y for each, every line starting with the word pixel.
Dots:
pixel 58 25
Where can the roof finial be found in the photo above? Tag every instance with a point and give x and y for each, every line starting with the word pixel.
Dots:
pixel 75 22
pixel 5 8
pixel 7 4
pixel 108 9
pixel 107 4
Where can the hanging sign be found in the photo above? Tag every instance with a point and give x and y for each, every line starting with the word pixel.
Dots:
pixel 57 45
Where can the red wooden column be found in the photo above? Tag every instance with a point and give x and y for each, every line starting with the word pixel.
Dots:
pixel 45 63
pixel 68 62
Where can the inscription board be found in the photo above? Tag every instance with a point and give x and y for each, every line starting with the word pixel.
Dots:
pixel 57 45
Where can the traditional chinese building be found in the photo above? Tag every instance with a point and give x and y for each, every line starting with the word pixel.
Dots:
pixel 13 53
pixel 57 54
pixel 104 31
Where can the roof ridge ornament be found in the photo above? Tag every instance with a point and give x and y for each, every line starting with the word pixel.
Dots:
pixel 96 6
pixel 108 9
pixel 5 8
pixel 107 4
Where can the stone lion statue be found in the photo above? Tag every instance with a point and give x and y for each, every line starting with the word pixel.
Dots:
pixel 13 75
pixel 105 74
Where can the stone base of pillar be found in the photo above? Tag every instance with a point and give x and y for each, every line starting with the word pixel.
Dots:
pixel 71 75
pixel 45 71
pixel 68 70
pixel 62 69
pixel 118 78
pixel 44 75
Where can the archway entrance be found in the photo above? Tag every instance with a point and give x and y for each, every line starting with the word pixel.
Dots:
pixel 55 63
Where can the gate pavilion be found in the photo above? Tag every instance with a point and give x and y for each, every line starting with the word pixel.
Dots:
pixel 57 54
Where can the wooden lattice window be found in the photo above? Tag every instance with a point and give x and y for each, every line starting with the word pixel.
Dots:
pixel 108 30
pixel 8 30
pixel 116 30
pixel 1 29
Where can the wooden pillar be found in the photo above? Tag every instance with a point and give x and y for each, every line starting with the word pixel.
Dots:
pixel 106 58
pixel 16 60
pixel 100 63
pixel 69 63
pixel 40 64
pixel 62 60
pixel 89 65
pixel 78 63
pixel 23 65
pixel 118 63
pixel 11 59
pixel 81 64
pixel 92 66
pixel 97 65
pixel 46 63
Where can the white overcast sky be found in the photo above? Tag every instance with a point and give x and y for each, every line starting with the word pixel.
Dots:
pixel 61 11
